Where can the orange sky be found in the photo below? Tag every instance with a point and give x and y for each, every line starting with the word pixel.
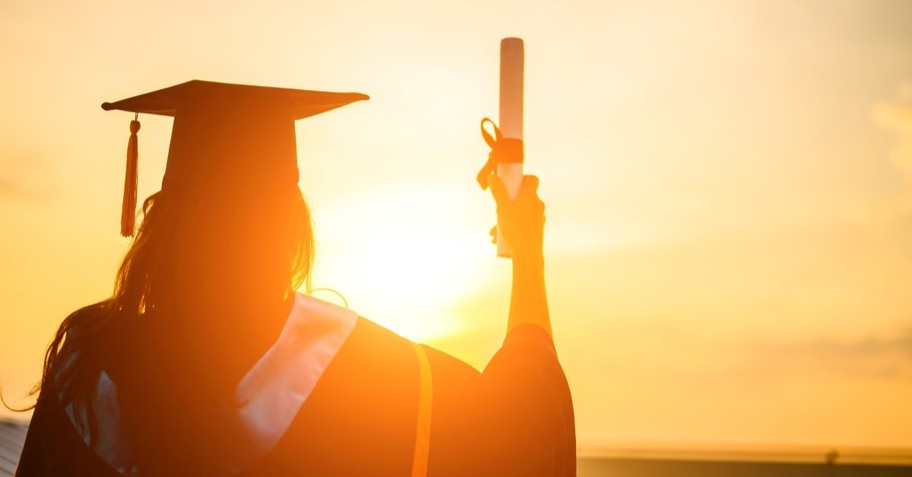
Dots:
pixel 729 189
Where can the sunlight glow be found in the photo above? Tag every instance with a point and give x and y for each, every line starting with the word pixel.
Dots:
pixel 397 259
pixel 728 189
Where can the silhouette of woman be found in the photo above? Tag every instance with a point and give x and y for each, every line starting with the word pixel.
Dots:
pixel 205 361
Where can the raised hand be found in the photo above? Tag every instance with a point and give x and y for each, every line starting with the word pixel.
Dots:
pixel 522 221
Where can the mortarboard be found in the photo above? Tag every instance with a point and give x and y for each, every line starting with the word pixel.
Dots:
pixel 226 138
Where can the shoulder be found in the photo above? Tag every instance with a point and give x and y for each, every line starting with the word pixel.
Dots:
pixel 382 346
pixel 363 404
pixel 53 447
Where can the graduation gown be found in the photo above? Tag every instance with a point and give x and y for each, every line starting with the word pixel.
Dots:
pixel 338 395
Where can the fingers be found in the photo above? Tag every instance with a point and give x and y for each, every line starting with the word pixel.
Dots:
pixel 529 185
pixel 528 193
pixel 500 191
pixel 521 219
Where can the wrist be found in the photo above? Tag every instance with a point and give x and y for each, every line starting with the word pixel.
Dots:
pixel 528 263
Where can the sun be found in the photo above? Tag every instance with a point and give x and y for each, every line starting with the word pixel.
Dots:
pixel 401 256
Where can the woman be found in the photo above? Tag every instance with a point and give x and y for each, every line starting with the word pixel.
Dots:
pixel 206 362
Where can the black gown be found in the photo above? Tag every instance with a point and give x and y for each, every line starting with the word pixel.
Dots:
pixel 361 417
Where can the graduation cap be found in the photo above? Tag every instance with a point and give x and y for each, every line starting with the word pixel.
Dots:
pixel 227 139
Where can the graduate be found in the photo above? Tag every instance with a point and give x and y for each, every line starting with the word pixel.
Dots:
pixel 206 362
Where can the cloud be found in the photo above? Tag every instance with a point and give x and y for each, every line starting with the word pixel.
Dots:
pixel 875 356
pixel 23 177
pixel 11 188
pixel 896 117
pixel 14 188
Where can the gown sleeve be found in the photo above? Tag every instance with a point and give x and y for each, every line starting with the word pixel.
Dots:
pixel 515 418
pixel 531 402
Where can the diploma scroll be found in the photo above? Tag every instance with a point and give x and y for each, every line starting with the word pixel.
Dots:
pixel 511 120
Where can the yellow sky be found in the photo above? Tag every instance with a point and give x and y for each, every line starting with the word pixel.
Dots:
pixel 729 189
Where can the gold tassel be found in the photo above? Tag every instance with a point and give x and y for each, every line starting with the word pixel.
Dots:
pixel 128 212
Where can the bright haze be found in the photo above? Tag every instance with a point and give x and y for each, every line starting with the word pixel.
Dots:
pixel 728 189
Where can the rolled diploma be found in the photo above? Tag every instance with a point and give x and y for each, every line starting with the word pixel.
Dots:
pixel 511 120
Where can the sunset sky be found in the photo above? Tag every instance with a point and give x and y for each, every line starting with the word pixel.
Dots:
pixel 728 189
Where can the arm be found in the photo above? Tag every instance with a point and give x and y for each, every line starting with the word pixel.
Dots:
pixel 528 301
pixel 522 224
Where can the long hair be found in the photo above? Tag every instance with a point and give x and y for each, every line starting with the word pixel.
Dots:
pixel 204 284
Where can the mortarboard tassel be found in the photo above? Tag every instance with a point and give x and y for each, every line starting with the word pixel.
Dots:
pixel 128 212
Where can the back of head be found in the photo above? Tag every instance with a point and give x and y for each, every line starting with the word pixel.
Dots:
pixel 201 294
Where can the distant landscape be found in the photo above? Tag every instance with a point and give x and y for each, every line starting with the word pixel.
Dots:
pixel 667 462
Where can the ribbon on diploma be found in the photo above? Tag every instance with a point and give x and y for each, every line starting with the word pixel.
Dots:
pixel 502 150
